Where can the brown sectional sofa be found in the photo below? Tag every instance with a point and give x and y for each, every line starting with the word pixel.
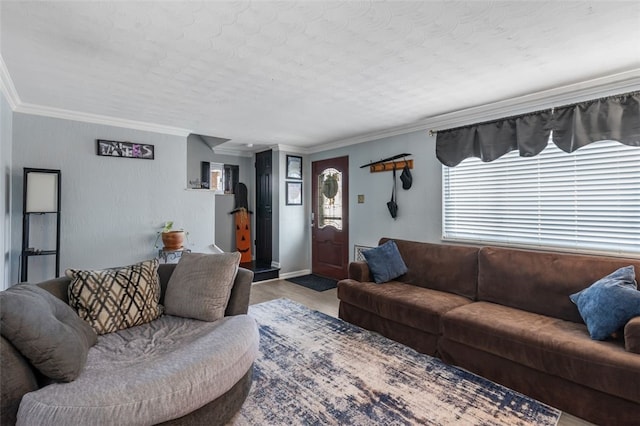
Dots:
pixel 505 314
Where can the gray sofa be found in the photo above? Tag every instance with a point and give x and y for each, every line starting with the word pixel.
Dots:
pixel 20 378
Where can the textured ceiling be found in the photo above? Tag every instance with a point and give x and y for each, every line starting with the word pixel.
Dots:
pixel 305 73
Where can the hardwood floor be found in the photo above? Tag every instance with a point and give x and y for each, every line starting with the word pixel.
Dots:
pixel 323 301
pixel 327 302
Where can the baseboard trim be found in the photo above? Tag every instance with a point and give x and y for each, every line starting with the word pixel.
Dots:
pixel 295 274
pixel 285 276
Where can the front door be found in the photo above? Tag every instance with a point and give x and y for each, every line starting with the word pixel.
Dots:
pixel 330 209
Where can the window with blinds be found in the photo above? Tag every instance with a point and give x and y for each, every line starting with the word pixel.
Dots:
pixel 586 201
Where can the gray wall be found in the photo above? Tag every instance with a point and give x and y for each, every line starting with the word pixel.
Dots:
pixel 225 224
pixel 198 151
pixel 293 231
pixel 6 138
pixel 419 216
pixel 111 207
pixel 419 208
pixel 276 190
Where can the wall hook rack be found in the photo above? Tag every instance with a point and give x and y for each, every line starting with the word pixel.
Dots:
pixel 387 164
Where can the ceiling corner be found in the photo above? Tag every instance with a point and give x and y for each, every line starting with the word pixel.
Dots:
pixel 9 90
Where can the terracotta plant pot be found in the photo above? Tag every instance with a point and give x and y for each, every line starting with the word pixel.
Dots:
pixel 173 240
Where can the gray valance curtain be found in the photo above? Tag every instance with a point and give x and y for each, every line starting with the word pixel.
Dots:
pixel 573 126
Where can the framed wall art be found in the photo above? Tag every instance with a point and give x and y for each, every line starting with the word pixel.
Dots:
pixel 294 193
pixel 294 167
pixel 143 151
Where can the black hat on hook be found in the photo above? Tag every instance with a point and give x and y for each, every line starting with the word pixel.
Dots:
pixel 406 177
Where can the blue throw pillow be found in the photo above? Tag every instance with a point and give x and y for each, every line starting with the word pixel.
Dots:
pixel 385 262
pixel 609 303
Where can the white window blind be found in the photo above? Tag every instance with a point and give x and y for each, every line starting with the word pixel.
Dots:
pixel 588 200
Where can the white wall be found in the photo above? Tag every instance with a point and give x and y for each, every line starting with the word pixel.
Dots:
pixel 111 207
pixel 6 137
pixel 419 208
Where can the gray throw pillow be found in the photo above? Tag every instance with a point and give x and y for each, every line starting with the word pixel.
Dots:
pixel 200 285
pixel 385 262
pixel 609 303
pixel 46 331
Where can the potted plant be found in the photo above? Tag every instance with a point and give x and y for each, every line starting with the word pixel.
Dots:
pixel 172 239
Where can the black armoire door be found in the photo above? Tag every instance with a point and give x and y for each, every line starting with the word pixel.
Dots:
pixel 264 211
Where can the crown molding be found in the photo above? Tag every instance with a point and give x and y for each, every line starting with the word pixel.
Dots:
pixel 577 92
pixel 369 137
pixel 291 148
pixel 16 104
pixel 232 152
pixel 602 86
pixel 99 119
pixel 622 82
pixel 8 89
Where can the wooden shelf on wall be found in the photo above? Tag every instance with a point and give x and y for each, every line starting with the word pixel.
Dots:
pixel 387 167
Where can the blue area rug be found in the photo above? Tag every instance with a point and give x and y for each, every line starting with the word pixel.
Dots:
pixel 314 282
pixel 318 370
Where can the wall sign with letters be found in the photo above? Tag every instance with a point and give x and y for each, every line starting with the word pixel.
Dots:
pixel 125 149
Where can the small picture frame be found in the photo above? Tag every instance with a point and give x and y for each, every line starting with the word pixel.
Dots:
pixel 294 167
pixel 294 193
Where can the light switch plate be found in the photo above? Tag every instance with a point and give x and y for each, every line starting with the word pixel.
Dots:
pixel 360 198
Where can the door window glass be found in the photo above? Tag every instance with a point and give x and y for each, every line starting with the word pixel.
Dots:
pixel 330 199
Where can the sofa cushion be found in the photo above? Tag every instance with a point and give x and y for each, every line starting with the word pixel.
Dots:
pixel 449 268
pixel 200 285
pixel 149 374
pixel 541 282
pixel 385 262
pixel 417 307
pixel 116 298
pixel 609 303
pixel 551 345
pixel 45 330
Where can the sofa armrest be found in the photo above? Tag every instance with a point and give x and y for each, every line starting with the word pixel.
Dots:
pixel 239 298
pixel 18 378
pixel 632 335
pixel 58 287
pixel 359 271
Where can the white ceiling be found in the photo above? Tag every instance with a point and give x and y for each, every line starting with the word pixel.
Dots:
pixel 304 73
